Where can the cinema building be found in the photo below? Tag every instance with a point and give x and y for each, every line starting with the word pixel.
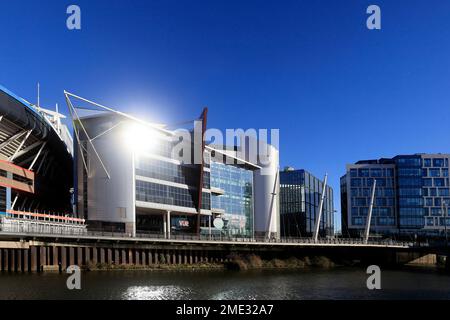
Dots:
pixel 139 178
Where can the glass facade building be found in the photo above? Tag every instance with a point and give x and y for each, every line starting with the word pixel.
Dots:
pixel 361 182
pixel 232 198
pixel 164 182
pixel 300 194
pixel 412 195
pixel 152 190
pixel 140 178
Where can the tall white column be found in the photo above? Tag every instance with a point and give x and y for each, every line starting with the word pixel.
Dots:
pixel 165 225
pixel 9 175
pixel 369 214
pixel 169 225
pixel 319 215
pixel 209 225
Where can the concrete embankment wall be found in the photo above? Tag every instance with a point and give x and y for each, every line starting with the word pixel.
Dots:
pixel 37 257
pixel 33 255
pixel 418 259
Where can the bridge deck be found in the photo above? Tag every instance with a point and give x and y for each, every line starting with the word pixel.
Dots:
pixel 110 237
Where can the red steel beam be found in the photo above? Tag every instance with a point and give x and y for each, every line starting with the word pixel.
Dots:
pixel 204 117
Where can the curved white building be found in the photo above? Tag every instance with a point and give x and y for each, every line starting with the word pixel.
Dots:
pixel 267 195
pixel 266 186
pixel 131 179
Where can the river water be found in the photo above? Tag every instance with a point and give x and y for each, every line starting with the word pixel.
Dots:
pixel 337 283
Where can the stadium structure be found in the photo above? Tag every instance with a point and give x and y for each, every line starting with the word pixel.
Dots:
pixel 36 164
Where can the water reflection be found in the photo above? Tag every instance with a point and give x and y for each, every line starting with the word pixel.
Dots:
pixel 233 295
pixel 155 293
pixel 339 283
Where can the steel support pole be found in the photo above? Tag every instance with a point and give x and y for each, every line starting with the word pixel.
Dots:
pixel 169 225
pixel 445 224
pixel 319 215
pixel 209 225
pixel 165 225
pixel 369 214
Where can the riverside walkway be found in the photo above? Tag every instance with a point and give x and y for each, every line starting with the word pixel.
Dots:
pixel 202 239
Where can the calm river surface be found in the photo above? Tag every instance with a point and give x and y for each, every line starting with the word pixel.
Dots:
pixel 338 283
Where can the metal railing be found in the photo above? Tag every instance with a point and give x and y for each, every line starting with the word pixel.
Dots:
pixel 40 227
pixel 57 231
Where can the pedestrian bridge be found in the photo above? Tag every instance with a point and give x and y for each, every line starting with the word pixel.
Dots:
pixel 155 238
pixel 23 251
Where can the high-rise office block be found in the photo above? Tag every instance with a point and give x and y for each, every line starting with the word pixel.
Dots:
pixel 411 198
pixel 300 194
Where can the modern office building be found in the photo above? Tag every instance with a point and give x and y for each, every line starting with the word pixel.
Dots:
pixel 411 195
pixel 139 178
pixel 35 158
pixel 300 194
pixel 232 197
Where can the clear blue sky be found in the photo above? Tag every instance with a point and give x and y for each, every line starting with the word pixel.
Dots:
pixel 337 91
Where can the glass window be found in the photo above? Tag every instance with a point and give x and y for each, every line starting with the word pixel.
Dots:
pixel 439 162
pixel 408 172
pixel 436 211
pixel 363 211
pixel 427 162
pixel 411 201
pixel 413 162
pixel 365 192
pixel 409 182
pixel 167 171
pixel 410 191
pixel 437 202
pixel 442 222
pixel 363 172
pixel 376 172
pixel 435 172
pixel 163 194
pixel 359 202
pixel 237 200
pixel 380 202
pixel 417 212
pixel 439 182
